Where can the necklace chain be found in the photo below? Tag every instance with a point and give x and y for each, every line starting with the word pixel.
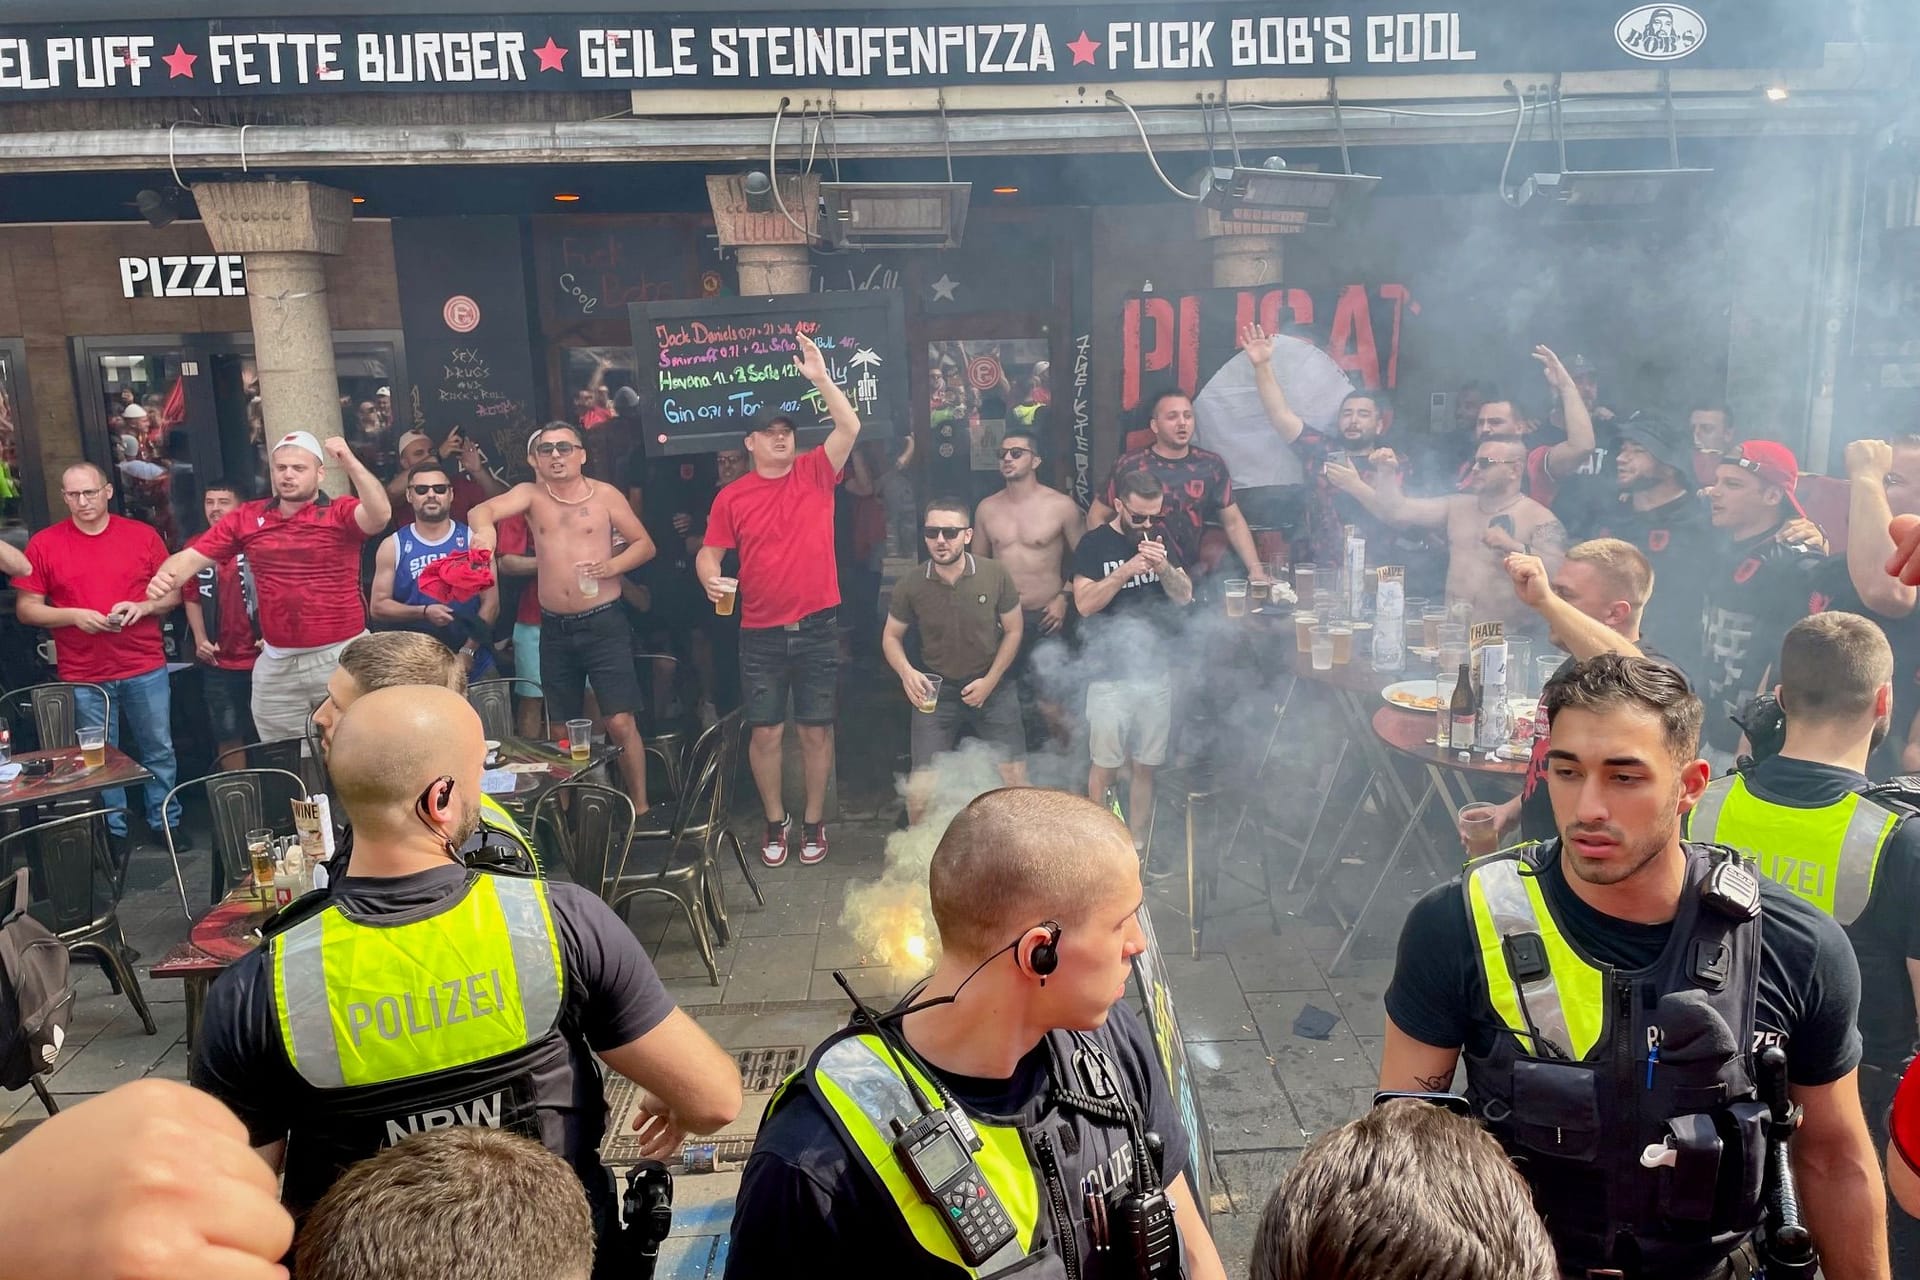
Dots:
pixel 570 502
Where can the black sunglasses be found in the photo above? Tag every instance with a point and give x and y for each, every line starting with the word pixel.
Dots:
pixel 424 489
pixel 555 448
pixel 951 532
pixel 1016 453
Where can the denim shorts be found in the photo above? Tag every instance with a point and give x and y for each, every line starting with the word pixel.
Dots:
pixel 593 647
pixel 803 662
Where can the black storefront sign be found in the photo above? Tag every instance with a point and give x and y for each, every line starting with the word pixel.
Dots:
pixel 710 369
pixel 463 309
pixel 892 48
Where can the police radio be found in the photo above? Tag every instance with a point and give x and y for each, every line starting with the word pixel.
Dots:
pixel 943 1171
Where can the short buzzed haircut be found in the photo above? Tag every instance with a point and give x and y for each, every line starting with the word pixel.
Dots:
pixel 99 472
pixel 1831 667
pixel 431 1208
pixel 1138 484
pixel 1018 856
pixel 1409 1191
pixel 956 505
pixel 388 658
pixel 1027 435
pixel 1621 566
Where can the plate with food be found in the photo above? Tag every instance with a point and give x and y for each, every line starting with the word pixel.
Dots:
pixel 1412 695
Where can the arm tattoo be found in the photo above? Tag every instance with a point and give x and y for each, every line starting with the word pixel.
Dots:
pixel 1434 1084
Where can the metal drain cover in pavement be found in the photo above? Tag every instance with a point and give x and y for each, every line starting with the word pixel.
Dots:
pixel 761 1071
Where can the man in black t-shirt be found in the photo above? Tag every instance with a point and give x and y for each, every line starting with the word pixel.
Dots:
pixel 1656 510
pixel 1036 895
pixel 394 997
pixel 1129 582
pixel 1622 897
pixel 1757 587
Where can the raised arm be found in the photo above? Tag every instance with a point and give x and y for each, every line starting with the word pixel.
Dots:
pixel 1868 542
pixel 1565 457
pixel 846 423
pixel 1584 637
pixel 1384 497
pixel 474 463
pixel 376 508
pixel 483 533
pixel 1259 348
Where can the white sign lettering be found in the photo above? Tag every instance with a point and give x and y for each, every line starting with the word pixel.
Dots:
pixel 200 275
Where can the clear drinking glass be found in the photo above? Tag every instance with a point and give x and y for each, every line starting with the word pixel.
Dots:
pixel 1544 666
pixel 1478 829
pixel 580 739
pixel 1236 597
pixel 1520 667
pixel 93 745
pixel 1323 648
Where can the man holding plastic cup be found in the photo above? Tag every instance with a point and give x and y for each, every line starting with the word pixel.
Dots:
pixel 967 611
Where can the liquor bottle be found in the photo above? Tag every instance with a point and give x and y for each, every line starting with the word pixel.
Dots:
pixel 1494 723
pixel 1460 719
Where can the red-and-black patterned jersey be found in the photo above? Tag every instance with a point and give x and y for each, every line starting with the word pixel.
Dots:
pixel 1198 486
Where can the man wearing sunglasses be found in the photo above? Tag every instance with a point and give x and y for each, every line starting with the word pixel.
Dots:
pixel 1032 530
pixel 398 602
pixel 968 614
pixel 584 633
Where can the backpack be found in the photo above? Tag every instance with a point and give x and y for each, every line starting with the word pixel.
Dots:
pixel 36 995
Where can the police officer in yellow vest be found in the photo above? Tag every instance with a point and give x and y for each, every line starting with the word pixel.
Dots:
pixel 1811 820
pixel 1609 992
pixel 428 994
pixel 1021 1125
pixel 388 658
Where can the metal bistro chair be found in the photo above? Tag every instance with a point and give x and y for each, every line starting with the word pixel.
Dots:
pixel 493 700
pixel 587 821
pixel 45 716
pixel 687 880
pixel 72 859
pixel 666 736
pixel 710 826
pixel 238 801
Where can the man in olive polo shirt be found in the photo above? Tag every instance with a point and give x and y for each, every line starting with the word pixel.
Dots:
pixel 968 614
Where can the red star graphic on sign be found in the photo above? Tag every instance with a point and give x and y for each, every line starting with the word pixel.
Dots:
pixel 180 62
pixel 1083 49
pixel 552 56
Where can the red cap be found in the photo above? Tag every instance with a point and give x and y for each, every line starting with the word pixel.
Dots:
pixel 1772 461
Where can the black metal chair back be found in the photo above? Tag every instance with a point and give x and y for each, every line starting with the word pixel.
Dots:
pixel 238 801
pixel 493 700
pixel 589 822
pixel 45 716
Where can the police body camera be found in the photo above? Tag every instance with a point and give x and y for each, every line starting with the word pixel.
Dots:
pixel 1764 722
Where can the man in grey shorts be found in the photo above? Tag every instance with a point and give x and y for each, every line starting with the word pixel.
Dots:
pixel 968 614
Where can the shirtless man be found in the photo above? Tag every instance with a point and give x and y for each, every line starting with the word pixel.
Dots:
pixel 1032 530
pixel 584 635
pixel 1485 525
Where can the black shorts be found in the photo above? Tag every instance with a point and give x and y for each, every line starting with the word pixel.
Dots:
pixel 997 724
pixel 229 703
pixel 803 660
pixel 593 647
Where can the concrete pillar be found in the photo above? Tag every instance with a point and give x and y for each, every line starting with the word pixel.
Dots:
pixel 769 269
pixel 283 229
pixel 1240 262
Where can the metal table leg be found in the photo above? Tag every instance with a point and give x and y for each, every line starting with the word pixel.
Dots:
pixel 1393 860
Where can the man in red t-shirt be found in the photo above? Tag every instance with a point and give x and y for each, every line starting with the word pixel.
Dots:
pixel 780 519
pixel 223 613
pixel 86 583
pixel 304 548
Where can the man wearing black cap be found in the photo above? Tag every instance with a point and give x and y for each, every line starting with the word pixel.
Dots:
pixel 1756 587
pixel 1656 511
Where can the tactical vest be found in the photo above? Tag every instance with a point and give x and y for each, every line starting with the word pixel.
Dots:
pixel 404 1023
pixel 1041 1166
pixel 1827 855
pixel 1600 1071
pixel 497 829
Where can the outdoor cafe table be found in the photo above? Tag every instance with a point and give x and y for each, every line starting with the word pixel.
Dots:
pixel 230 930
pixel 70 779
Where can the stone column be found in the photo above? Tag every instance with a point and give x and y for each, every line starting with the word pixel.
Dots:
pixel 283 229
pixel 768 269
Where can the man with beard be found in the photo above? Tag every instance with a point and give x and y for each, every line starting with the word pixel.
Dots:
pixel 1483 526
pixel 1195 481
pixel 1608 991
pixel 967 613
pixel 1808 818
pixel 1032 531
pixel 1656 510
pixel 304 547
pixel 583 636
pixel 1756 587
pixel 1883 482
pixel 398 601
pixel 426 993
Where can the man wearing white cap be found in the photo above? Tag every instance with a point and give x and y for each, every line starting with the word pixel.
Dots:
pixel 304 547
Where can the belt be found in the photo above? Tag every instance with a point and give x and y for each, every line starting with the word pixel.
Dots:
pixel 823 615
pixel 568 619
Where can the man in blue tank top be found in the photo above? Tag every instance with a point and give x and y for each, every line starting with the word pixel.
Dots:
pixel 398 602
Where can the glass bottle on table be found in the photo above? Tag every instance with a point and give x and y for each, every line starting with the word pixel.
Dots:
pixel 1460 717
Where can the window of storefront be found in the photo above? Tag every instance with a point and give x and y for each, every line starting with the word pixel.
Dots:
pixel 18 502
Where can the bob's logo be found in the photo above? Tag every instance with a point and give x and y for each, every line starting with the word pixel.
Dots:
pixel 1660 32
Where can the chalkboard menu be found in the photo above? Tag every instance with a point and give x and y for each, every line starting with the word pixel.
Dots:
pixel 708 368
pixel 469 355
